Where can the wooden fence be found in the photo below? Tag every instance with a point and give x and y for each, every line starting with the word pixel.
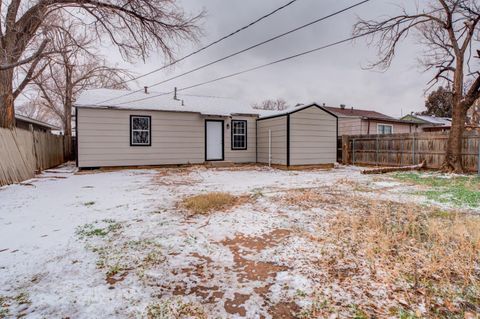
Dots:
pixel 408 149
pixel 24 153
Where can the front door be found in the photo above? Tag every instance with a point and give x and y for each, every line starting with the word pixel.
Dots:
pixel 214 140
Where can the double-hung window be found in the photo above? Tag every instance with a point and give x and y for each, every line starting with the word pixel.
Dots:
pixel 140 130
pixel 384 129
pixel 239 135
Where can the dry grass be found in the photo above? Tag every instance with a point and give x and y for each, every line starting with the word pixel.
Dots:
pixel 426 258
pixel 216 201
pixel 310 197
pixel 434 255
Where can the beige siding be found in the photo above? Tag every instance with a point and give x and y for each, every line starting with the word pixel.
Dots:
pixel 241 156
pixel 177 138
pixel 313 137
pixel 278 128
pixel 397 127
pixel 357 126
pixel 350 126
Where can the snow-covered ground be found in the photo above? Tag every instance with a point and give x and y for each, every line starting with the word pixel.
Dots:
pixel 116 245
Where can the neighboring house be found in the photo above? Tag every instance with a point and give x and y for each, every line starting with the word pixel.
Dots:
pixel 26 123
pixel 156 129
pixel 355 122
pixel 430 123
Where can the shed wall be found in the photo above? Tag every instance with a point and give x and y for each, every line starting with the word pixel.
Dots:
pixel 278 128
pixel 313 137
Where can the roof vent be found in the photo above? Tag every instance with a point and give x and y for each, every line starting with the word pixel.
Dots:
pixel 146 89
pixel 342 106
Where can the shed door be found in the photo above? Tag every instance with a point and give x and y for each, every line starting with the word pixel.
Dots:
pixel 214 140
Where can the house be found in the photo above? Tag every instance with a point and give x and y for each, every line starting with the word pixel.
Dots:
pixel 27 123
pixel 157 129
pixel 430 123
pixel 356 122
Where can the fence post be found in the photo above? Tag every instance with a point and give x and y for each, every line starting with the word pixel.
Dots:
pixel 345 150
pixel 377 159
pixel 413 149
pixel 478 163
pixel 353 152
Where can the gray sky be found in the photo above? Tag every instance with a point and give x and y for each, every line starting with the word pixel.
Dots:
pixel 333 76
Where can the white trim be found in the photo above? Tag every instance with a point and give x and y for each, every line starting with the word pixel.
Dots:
pixel 383 124
pixel 244 135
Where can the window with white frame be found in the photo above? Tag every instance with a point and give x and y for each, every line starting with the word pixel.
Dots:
pixel 384 129
pixel 140 130
pixel 239 135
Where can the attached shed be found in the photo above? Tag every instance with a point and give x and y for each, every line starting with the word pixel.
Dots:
pixel 303 136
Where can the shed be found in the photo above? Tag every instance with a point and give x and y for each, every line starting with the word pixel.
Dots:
pixel 305 135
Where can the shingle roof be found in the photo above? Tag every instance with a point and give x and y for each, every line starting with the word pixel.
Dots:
pixel 357 113
pixel 26 119
pixel 155 101
pixel 443 121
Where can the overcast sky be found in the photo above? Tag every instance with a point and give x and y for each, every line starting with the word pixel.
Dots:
pixel 333 76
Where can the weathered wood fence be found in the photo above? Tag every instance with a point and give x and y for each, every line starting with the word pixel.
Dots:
pixel 408 149
pixel 24 153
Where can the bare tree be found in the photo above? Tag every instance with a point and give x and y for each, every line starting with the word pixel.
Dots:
pixel 135 27
pixel 278 104
pixel 76 67
pixel 448 29
pixel 34 108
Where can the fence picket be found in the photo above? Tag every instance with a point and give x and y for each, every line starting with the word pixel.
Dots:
pixel 23 152
pixel 405 149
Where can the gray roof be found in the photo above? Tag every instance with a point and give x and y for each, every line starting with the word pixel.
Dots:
pixel 35 122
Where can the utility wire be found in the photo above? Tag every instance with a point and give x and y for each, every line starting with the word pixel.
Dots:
pixel 214 42
pixel 247 49
pixel 257 67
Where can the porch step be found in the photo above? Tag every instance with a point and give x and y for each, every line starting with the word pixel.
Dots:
pixel 219 163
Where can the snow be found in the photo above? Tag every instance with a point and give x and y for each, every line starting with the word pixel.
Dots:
pixel 47 253
pixel 161 101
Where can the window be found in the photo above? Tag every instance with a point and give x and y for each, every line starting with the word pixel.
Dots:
pixel 239 135
pixel 140 130
pixel 384 129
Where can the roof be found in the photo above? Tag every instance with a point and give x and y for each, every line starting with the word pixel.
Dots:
pixel 351 112
pixel 265 114
pixel 35 122
pixel 158 101
pixel 429 119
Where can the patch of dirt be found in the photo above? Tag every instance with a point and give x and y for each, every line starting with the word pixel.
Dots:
pixel 113 279
pixel 249 270
pixel 235 306
pixel 245 269
pixel 284 310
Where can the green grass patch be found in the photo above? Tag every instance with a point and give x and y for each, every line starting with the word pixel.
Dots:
pixel 98 229
pixel 457 190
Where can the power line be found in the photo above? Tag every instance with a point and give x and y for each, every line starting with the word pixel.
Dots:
pixel 215 42
pixel 258 67
pixel 247 49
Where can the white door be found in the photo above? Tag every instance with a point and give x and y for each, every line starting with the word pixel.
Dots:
pixel 214 140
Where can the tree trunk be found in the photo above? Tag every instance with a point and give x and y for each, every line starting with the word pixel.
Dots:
pixel 67 111
pixel 7 111
pixel 453 159
pixel 453 155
